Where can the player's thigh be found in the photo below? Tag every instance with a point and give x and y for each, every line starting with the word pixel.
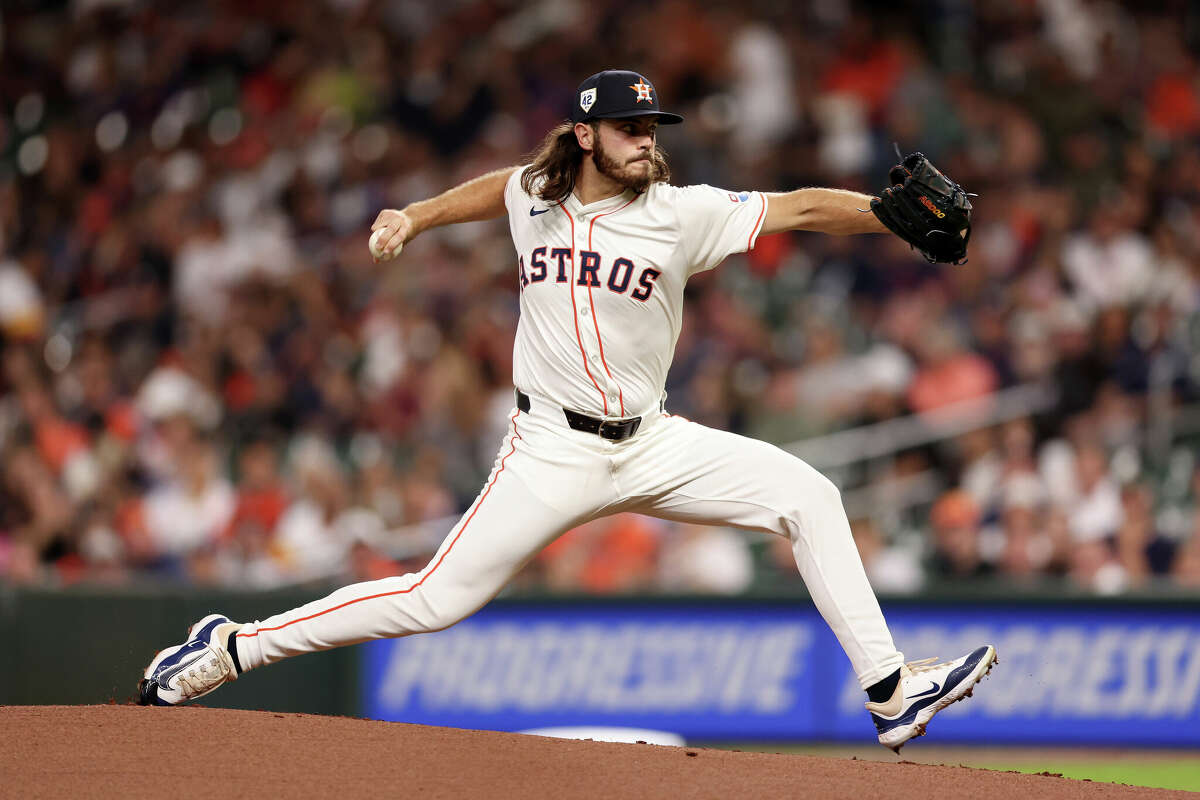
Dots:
pixel 698 474
pixel 506 526
pixel 513 518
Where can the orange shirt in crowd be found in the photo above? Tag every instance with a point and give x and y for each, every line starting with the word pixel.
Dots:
pixel 619 552
pixel 964 377
pixel 1173 106
pixel 58 440
pixel 263 507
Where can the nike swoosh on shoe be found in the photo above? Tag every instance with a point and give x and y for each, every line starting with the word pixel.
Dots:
pixel 934 690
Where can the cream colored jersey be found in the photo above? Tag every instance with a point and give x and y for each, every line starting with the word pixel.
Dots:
pixel 602 287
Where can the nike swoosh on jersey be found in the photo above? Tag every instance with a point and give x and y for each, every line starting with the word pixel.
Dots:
pixel 936 688
pixel 533 212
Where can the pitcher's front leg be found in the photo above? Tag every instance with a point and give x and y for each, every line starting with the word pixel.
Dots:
pixel 506 526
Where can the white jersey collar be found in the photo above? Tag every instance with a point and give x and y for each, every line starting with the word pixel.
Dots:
pixel 607 204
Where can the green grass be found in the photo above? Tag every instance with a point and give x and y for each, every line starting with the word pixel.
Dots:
pixel 1158 769
pixel 1182 774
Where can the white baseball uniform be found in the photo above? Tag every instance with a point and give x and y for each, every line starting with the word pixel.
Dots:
pixel 601 306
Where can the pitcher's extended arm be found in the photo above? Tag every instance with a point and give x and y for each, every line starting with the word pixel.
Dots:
pixel 835 211
pixel 477 199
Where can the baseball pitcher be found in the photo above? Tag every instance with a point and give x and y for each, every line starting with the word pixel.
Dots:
pixel 604 247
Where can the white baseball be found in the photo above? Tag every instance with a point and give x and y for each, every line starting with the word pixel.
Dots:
pixel 376 243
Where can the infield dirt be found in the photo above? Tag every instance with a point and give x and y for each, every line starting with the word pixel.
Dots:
pixel 135 752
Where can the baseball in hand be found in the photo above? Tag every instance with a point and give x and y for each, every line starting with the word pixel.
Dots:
pixel 377 239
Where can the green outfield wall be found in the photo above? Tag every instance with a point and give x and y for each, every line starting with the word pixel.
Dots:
pixel 91 645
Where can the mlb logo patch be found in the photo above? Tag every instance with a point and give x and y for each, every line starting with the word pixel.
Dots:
pixel 740 197
pixel 587 99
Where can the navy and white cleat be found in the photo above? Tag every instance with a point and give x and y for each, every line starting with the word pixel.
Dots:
pixel 192 669
pixel 926 688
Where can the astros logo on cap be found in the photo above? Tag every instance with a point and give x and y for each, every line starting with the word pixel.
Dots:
pixel 643 90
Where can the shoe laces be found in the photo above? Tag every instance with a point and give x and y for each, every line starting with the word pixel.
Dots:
pixel 923 665
pixel 205 674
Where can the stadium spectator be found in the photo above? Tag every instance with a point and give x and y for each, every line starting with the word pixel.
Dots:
pixel 890 568
pixel 956 542
pixel 705 559
pixel 189 512
pixel 617 554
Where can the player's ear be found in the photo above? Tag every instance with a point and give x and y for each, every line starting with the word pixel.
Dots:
pixel 586 136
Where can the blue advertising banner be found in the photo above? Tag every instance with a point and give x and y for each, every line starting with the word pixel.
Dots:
pixel 775 672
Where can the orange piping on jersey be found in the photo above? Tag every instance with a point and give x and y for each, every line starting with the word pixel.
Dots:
pixel 461 531
pixel 595 317
pixel 754 230
pixel 575 311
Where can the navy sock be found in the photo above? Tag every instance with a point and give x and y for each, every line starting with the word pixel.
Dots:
pixel 882 692
pixel 231 646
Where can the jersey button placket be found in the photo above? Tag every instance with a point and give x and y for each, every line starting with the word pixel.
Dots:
pixel 583 301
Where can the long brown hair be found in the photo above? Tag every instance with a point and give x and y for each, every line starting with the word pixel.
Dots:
pixel 554 165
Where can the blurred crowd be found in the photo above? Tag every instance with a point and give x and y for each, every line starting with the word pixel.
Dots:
pixel 204 377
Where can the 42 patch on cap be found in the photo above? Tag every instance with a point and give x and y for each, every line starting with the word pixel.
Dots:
pixel 587 99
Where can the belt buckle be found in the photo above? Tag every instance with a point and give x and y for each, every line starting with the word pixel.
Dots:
pixel 610 430
pixel 616 430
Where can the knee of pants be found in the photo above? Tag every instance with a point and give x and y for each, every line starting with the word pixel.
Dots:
pixel 815 502
pixel 435 611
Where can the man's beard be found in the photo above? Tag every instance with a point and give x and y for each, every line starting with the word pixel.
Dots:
pixel 629 174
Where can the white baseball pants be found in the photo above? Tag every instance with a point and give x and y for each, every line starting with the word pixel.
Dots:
pixel 549 478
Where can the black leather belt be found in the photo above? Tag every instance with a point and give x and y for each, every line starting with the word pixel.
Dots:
pixel 612 429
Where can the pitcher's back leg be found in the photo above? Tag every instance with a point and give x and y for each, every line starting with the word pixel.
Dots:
pixel 692 473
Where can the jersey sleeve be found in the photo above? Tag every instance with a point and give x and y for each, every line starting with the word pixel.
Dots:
pixel 512 189
pixel 715 223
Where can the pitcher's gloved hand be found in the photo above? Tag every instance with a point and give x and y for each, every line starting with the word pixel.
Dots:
pixel 926 209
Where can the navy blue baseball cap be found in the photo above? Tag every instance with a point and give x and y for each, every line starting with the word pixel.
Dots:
pixel 618 94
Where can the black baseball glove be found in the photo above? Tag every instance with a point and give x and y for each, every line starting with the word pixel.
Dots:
pixel 926 209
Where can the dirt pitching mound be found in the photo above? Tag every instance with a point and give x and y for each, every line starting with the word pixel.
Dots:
pixel 135 752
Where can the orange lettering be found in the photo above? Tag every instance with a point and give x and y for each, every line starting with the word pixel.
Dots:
pixel 929 204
